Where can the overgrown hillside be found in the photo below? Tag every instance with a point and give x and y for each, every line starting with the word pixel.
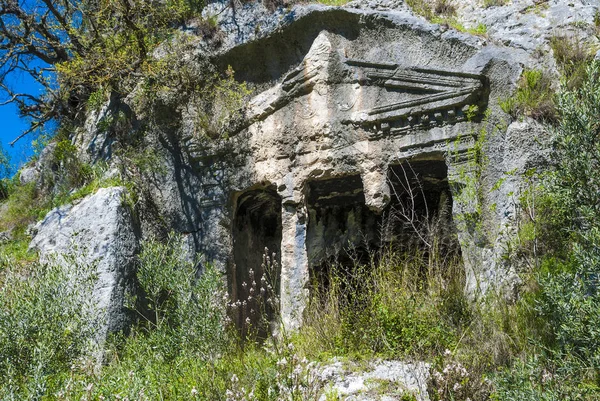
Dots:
pixel 118 75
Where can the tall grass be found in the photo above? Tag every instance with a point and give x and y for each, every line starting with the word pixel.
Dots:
pixel 398 305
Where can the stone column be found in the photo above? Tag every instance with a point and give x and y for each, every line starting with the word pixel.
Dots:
pixel 376 188
pixel 465 186
pixel 294 265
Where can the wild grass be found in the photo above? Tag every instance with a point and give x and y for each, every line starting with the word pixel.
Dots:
pixel 494 3
pixel 432 9
pixel 533 98
pixel 572 57
pixel 396 307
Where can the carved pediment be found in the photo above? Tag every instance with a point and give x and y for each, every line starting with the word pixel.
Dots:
pixel 380 97
pixel 416 97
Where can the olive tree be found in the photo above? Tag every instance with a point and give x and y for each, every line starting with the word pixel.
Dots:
pixel 73 47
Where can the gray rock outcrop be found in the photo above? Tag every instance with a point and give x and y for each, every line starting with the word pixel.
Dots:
pixel 380 380
pixel 351 106
pixel 348 101
pixel 97 233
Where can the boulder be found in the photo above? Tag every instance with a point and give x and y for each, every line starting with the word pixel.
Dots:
pixel 398 380
pixel 99 232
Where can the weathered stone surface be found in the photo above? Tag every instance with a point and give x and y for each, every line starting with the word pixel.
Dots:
pixel 99 231
pixel 344 96
pixel 381 380
pixel 28 175
pixel 344 99
pixel 42 171
pixel 98 135
pixel 528 25
pixel 523 148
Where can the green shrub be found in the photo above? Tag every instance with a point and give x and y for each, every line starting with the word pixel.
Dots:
pixel 575 182
pixel 563 361
pixel 187 310
pixel 42 326
pixel 183 348
pixel 572 57
pixel 22 208
pixel 533 98
pixel 72 172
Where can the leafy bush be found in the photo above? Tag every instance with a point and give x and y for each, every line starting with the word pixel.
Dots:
pixel 534 98
pixel 43 326
pixel 187 311
pixel 183 348
pixel 563 362
pixel 575 181
pixel 21 207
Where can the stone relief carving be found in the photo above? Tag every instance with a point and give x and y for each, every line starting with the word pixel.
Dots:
pixel 342 117
pixel 415 97
pixel 382 98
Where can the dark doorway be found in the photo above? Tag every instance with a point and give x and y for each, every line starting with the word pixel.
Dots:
pixel 342 231
pixel 419 216
pixel 254 279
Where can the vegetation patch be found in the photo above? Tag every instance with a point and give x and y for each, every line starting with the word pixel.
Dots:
pixel 533 98
pixel 572 57
pixel 334 2
pixel 494 3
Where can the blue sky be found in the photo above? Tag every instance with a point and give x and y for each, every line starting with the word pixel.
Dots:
pixel 11 125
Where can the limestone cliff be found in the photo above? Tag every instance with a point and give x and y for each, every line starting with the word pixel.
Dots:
pixel 349 106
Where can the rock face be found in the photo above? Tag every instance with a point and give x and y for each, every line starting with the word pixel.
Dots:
pixel 382 380
pixel 99 232
pixel 529 25
pixel 354 111
pixel 352 106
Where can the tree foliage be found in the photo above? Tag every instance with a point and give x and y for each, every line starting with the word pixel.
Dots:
pixel 567 362
pixel 71 48
pixel 577 151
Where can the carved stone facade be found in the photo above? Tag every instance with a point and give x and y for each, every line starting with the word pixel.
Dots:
pixel 340 110
pixel 346 102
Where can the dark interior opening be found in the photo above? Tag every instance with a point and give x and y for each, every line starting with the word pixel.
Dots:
pixel 419 215
pixel 343 234
pixel 342 231
pixel 254 279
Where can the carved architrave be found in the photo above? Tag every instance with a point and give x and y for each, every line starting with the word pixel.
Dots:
pixel 417 97
pixel 380 97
